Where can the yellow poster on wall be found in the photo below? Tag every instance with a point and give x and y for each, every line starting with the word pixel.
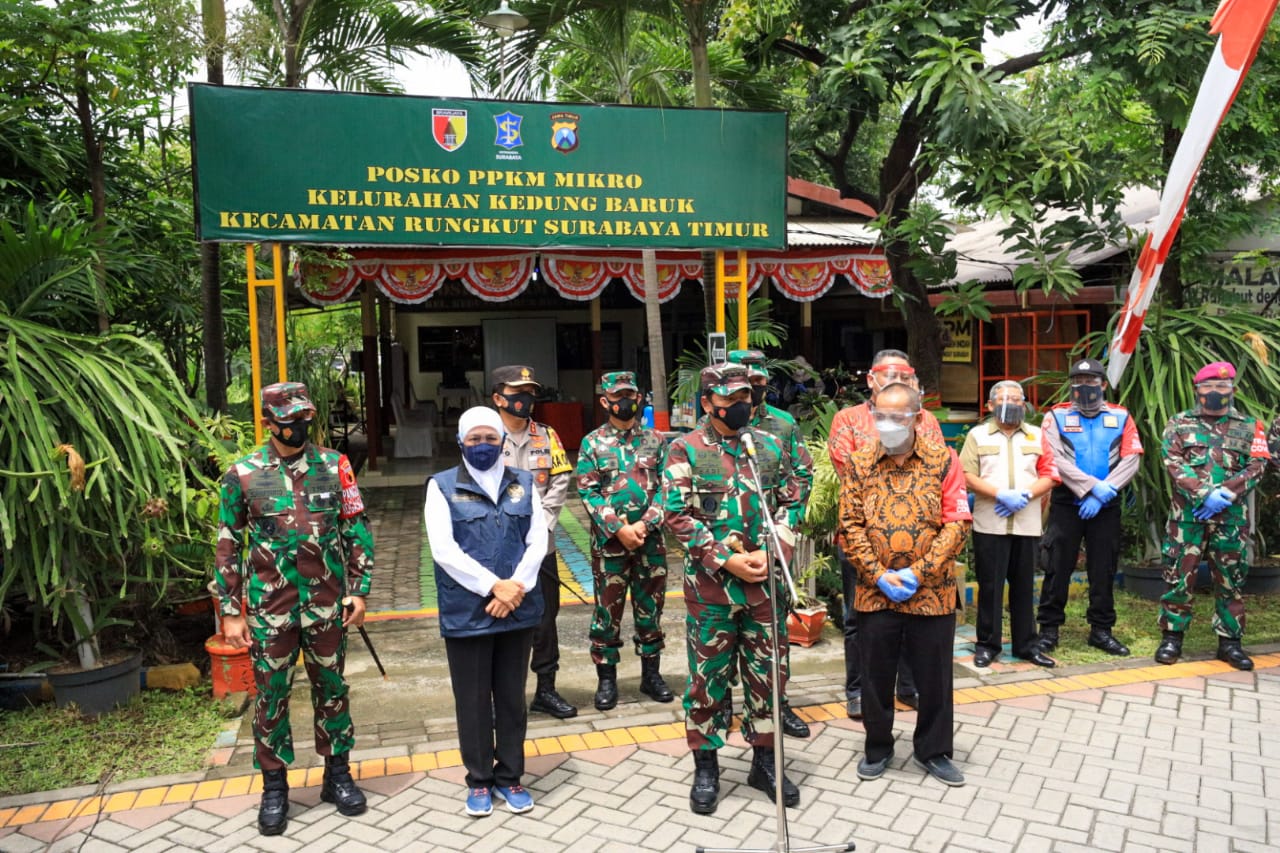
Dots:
pixel 960 349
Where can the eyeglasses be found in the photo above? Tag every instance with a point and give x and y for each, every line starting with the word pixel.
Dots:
pixel 895 417
pixel 1215 385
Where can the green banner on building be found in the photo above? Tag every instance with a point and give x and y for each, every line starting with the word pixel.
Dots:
pixel 342 168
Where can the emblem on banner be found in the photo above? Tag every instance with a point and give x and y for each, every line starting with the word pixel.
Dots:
pixel 564 131
pixel 508 135
pixel 449 128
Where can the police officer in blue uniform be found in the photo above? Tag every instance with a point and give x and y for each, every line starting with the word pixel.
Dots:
pixel 1098 452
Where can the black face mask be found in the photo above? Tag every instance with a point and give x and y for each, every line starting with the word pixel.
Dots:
pixel 1088 398
pixel 292 433
pixel 624 409
pixel 520 405
pixel 735 416
pixel 1215 401
pixel 757 394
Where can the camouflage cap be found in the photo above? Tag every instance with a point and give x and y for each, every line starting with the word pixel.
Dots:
pixel 284 400
pixel 618 380
pixel 724 378
pixel 752 359
pixel 514 374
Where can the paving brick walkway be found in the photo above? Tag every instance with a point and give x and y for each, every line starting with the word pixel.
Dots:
pixel 1138 758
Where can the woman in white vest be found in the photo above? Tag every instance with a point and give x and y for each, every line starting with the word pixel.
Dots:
pixel 1009 469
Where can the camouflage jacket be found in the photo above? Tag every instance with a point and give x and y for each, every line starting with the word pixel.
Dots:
pixel 294 531
pixel 782 425
pixel 1203 452
pixel 619 476
pixel 711 504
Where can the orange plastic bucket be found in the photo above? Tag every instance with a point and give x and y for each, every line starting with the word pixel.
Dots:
pixel 230 668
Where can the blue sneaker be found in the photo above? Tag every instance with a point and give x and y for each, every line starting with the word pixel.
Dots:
pixel 518 799
pixel 479 802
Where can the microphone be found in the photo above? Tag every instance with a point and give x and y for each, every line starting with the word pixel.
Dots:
pixel 748 443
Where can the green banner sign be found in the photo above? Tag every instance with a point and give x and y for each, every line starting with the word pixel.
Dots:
pixel 341 168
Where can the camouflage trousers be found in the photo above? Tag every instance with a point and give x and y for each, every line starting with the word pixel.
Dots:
pixel 1186 545
pixel 784 645
pixel 644 573
pixel 274 640
pixel 722 640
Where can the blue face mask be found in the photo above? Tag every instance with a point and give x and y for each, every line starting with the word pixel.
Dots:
pixel 482 457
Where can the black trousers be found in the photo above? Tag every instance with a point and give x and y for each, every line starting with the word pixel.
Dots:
pixel 1061 549
pixel 488 674
pixel 546 639
pixel 852 667
pixel 999 558
pixel 926 643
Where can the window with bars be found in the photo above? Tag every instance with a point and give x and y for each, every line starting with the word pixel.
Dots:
pixel 1021 345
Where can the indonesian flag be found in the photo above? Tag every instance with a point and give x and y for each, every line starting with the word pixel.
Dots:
pixel 1241 25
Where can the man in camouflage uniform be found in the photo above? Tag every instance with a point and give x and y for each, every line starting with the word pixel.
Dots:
pixel 292 541
pixel 619 474
pixel 782 426
pixel 537 448
pixel 1215 455
pixel 712 507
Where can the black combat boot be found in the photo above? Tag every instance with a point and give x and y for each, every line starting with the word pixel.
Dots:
pixel 763 776
pixel 706 781
pixel 548 701
pixel 339 788
pixel 1170 648
pixel 1102 638
pixel 1229 650
pixel 607 690
pixel 792 725
pixel 651 683
pixel 1048 638
pixel 273 813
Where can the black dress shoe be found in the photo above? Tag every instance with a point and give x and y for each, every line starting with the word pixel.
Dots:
pixel 548 701
pixel 1039 658
pixel 982 658
pixel 941 768
pixel 868 770
pixel 1048 638
pixel 792 725
pixel 1102 638
pixel 1230 651
pixel 911 700
pixel 853 707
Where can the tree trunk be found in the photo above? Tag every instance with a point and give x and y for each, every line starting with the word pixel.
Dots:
pixel 657 358
pixel 1171 273
pixel 924 332
pixel 214 14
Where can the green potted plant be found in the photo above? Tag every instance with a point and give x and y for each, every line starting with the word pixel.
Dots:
pixel 100 449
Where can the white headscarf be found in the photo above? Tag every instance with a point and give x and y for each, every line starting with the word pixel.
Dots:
pixel 476 416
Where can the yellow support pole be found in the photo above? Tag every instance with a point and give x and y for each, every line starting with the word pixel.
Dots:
pixel 720 292
pixel 276 282
pixel 739 278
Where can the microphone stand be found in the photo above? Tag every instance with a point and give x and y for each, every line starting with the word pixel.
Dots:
pixel 782 840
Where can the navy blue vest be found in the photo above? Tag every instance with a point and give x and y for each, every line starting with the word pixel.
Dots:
pixel 494 537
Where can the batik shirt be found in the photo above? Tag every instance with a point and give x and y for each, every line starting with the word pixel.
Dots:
pixel 855 426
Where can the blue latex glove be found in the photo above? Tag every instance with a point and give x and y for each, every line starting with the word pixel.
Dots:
pixel 1010 500
pixel 1218 500
pixel 909 580
pixel 896 594
pixel 1089 507
pixel 1103 491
